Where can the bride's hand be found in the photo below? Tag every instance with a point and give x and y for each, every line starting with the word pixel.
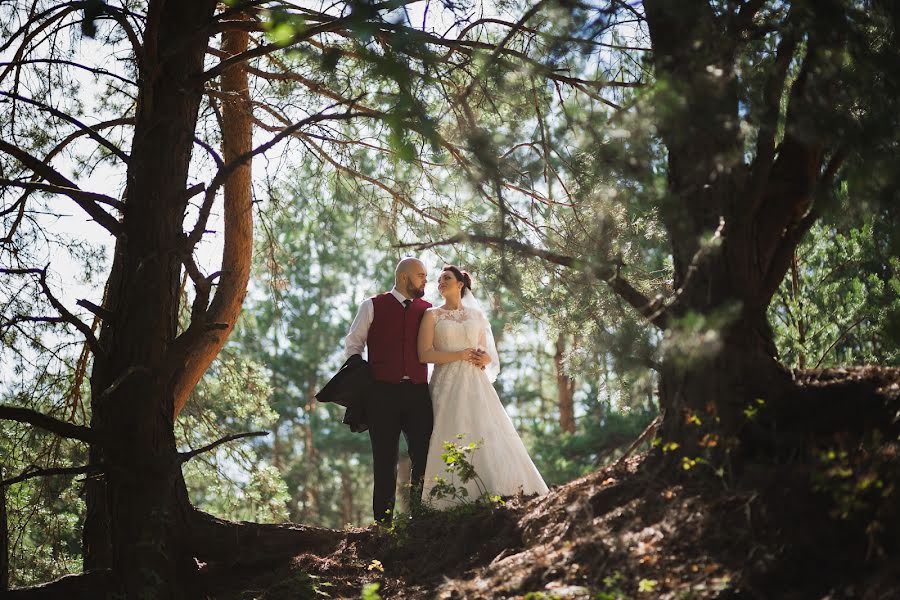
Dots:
pixel 468 355
pixel 481 359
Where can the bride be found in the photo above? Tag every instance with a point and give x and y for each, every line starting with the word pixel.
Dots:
pixel 457 338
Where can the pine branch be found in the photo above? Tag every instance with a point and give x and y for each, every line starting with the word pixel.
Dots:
pixel 48 423
pixel 80 325
pixel 32 473
pixel 609 274
pixel 66 117
pixel 186 456
pixel 86 200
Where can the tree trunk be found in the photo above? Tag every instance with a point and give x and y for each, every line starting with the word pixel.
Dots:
pixel 131 522
pixel 346 497
pixel 751 216
pixel 4 539
pixel 237 140
pixel 565 388
pixel 314 509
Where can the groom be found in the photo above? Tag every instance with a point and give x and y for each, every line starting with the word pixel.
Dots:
pixel 399 403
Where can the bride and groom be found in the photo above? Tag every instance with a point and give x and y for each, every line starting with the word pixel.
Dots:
pixel 403 333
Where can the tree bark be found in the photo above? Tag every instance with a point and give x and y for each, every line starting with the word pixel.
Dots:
pixel 565 388
pixel 753 217
pixel 221 317
pixel 131 523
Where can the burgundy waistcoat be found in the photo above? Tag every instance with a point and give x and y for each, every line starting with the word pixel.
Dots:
pixel 392 340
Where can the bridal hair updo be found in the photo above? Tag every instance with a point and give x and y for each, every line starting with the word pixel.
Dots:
pixel 462 276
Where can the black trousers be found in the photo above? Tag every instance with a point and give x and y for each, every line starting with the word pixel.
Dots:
pixel 393 409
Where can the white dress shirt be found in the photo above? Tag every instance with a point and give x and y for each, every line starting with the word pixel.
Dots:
pixel 359 329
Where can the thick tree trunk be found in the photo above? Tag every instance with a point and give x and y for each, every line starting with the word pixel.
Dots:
pixel 751 216
pixel 706 399
pixel 132 522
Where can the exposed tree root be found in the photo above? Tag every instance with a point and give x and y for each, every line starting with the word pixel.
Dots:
pixel 84 586
pixel 241 543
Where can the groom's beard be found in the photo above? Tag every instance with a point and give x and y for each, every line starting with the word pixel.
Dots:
pixel 415 292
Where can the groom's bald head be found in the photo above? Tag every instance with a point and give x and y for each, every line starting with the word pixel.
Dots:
pixel 410 277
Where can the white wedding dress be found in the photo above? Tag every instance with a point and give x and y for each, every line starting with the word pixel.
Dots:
pixel 466 403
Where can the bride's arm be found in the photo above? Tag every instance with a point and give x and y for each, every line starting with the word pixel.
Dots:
pixel 427 353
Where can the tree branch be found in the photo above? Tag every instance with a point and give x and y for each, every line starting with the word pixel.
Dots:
pixel 86 200
pixel 82 132
pixel 610 275
pixel 183 457
pixel 48 423
pixel 60 308
pixel 229 167
pixel 499 48
pixel 58 113
pixel 269 48
pixel 31 319
pixel 31 473
pixel 60 184
pixel 765 144
pixel 69 63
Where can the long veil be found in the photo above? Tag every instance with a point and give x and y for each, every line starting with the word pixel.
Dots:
pixel 486 339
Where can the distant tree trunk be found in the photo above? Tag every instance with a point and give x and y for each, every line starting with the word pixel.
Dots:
pixel 605 362
pixel 404 471
pixel 4 539
pixel 347 497
pixel 565 388
pixel 314 508
pixel 276 445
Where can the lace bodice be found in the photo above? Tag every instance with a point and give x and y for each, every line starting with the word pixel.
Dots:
pixel 458 329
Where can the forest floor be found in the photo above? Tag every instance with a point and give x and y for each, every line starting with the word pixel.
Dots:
pixel 819 522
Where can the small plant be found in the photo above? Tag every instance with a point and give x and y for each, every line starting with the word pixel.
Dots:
pixel 458 461
pixel 612 588
pixel 370 591
pixel 853 481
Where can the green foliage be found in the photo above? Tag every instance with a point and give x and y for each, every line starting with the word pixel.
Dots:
pixel 599 435
pixel 370 591
pixel 612 589
pixel 855 481
pixel 44 519
pixel 541 596
pixel 230 482
pixel 841 302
